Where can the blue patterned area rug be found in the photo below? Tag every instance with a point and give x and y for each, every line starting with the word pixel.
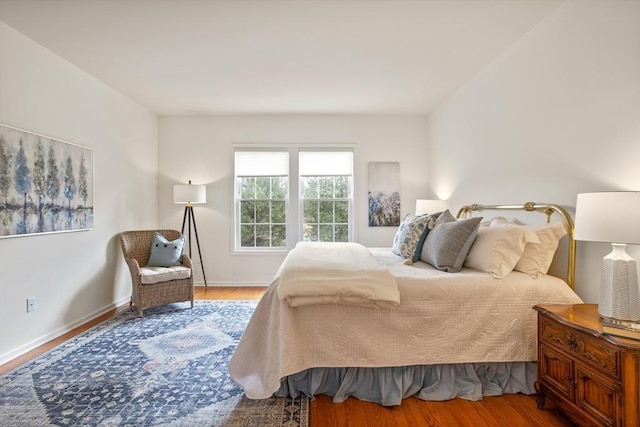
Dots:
pixel 166 369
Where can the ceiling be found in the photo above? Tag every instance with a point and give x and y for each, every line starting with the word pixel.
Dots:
pixel 200 57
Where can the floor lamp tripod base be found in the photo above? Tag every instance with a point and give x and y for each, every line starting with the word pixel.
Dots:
pixel 188 218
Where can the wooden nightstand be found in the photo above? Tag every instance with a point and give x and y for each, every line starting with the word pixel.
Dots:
pixel 594 378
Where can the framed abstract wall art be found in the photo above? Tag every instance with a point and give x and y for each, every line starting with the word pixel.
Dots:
pixel 384 194
pixel 46 185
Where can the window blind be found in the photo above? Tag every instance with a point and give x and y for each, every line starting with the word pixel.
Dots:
pixel 326 163
pixel 262 163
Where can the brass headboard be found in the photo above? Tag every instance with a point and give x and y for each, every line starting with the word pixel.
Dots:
pixel 545 208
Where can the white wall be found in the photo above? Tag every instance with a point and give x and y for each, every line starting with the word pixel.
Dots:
pixel 556 115
pixel 74 276
pixel 201 149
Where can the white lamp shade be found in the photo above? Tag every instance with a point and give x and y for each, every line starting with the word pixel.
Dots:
pixel 612 217
pixel 189 193
pixel 425 206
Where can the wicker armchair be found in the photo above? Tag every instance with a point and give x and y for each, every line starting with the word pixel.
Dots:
pixel 136 248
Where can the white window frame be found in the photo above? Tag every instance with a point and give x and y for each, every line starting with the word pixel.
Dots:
pixel 295 217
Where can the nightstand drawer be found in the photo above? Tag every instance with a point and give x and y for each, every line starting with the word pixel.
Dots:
pixel 591 350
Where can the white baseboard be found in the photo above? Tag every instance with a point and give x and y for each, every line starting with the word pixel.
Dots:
pixel 10 355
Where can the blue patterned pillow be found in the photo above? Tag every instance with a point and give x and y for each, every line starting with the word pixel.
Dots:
pixel 165 253
pixel 410 236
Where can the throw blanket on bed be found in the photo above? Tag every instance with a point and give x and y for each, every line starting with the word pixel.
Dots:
pixel 335 273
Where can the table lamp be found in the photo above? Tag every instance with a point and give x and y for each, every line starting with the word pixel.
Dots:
pixel 613 217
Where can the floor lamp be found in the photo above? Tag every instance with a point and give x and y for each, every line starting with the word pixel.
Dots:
pixel 190 195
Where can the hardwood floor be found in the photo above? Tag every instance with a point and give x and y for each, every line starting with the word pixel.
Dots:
pixel 229 292
pixel 508 410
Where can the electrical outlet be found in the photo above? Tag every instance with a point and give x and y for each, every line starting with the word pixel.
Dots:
pixel 31 304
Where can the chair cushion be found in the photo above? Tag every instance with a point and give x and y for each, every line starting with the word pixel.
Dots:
pixel 150 275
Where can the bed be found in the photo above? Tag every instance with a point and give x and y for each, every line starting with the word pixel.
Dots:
pixel 466 334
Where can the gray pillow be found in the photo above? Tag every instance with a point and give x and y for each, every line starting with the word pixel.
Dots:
pixel 448 244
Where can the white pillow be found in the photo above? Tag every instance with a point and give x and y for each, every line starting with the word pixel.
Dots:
pixel 497 250
pixel 537 256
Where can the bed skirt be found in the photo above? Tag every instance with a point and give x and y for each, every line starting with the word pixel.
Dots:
pixel 388 386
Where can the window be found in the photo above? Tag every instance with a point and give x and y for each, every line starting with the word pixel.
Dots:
pixel 261 198
pixel 274 212
pixel 326 182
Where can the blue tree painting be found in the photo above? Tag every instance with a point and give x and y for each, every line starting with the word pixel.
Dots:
pixel 46 185
pixel 384 194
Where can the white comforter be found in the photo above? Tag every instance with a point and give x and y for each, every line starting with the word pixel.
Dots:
pixel 443 318
pixel 338 273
